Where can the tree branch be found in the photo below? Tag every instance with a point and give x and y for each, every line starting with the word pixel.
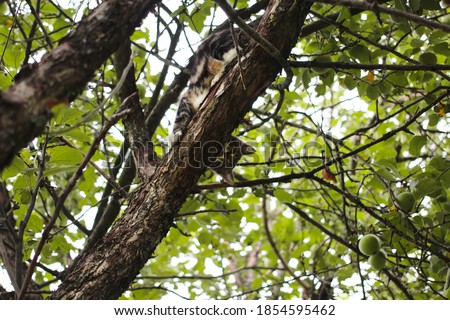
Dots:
pixel 107 269
pixel 64 72
pixel 70 185
pixel 373 6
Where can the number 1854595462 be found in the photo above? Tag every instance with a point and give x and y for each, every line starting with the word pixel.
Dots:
pixel 297 309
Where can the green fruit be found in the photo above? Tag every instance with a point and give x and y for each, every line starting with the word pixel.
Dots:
pixel 378 260
pixel 428 58
pixel 406 201
pixel 369 244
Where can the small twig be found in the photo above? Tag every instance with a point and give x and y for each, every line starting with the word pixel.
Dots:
pixel 174 39
pixel 194 213
pixel 8 38
pixel 270 116
pixel 35 13
pixel 238 52
pixel 266 45
pixel 70 185
pixel 108 178
pixel 64 210
pixel 368 66
pixel 373 6
pixel 376 44
pixel 398 283
pixel 103 104
pixel 26 219
pixel 310 174
pixel 319 226
pixel 302 283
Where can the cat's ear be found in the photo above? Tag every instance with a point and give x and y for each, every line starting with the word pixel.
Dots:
pixel 240 145
pixel 247 149
pixel 227 176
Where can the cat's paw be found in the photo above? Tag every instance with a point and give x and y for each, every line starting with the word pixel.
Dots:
pixel 174 138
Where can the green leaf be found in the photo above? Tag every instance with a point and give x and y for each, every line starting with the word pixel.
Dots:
pixel 372 93
pixel 440 164
pixel 428 58
pixel 384 150
pixel 427 187
pixel 350 82
pixel 361 53
pixel 385 173
pixel 430 4
pixel 35 223
pixel 442 49
pixel 283 196
pixel 13 57
pixel 64 156
pixel 17 165
pixel 5 81
pixel 399 79
pixel 416 144
pixel 433 119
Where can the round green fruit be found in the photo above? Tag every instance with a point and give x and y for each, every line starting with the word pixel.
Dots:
pixel 406 201
pixel 378 260
pixel 369 244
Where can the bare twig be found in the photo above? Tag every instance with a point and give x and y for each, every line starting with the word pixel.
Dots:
pixel 35 12
pixel 26 219
pixel 373 6
pixel 266 45
pixel 70 185
pixel 302 283
pixel 368 66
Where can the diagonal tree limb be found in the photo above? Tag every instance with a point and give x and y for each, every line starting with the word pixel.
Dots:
pixel 138 137
pixel 64 72
pixel 119 113
pixel 106 270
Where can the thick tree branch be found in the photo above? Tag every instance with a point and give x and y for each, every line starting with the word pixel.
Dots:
pixel 69 187
pixel 64 72
pixel 106 270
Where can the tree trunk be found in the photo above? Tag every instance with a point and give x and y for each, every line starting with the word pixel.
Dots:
pixel 107 269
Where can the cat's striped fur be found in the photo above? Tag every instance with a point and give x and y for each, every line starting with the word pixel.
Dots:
pixel 206 67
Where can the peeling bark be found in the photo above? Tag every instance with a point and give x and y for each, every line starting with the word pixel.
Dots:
pixel 107 269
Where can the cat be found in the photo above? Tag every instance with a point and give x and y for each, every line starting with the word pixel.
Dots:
pixel 231 154
pixel 206 68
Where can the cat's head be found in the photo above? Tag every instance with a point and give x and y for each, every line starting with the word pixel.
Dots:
pixel 231 154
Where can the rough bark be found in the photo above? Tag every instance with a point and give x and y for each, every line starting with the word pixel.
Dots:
pixel 106 270
pixel 8 250
pixel 64 72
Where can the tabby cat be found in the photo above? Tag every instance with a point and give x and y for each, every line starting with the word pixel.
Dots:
pixel 206 67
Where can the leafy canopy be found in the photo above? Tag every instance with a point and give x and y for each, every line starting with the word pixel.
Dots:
pixel 365 119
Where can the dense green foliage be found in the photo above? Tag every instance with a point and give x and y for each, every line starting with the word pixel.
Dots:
pixel 333 153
